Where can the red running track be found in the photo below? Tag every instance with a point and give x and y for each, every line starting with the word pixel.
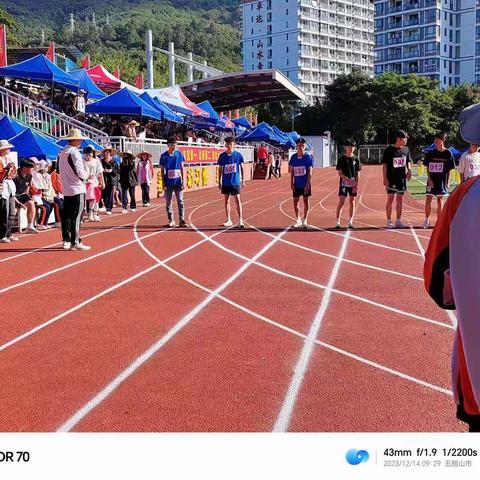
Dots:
pixel 213 329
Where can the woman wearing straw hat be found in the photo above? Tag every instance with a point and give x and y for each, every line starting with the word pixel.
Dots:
pixel 7 192
pixel 145 175
pixel 128 180
pixel 73 175
pixel 131 130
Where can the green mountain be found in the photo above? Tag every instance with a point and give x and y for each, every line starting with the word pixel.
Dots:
pixel 208 28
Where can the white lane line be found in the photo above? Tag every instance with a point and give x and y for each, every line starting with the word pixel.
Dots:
pixel 320 286
pixel 450 313
pixel 360 240
pixel 142 359
pixel 110 289
pixel 284 328
pixel 345 260
pixel 385 369
pixel 114 249
pixel 283 420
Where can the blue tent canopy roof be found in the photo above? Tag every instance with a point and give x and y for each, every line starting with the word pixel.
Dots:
pixel 87 84
pixel 10 127
pixel 32 144
pixel 40 69
pixel 263 132
pixel 124 102
pixel 166 112
pixel 242 122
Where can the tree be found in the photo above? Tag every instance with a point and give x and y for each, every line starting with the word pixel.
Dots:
pixel 13 38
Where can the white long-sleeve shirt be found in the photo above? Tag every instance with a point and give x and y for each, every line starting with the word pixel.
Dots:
pixel 72 183
pixel 469 164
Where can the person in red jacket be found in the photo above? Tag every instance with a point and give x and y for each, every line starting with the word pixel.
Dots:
pixel 452 276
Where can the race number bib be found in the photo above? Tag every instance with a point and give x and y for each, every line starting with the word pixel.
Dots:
pixel 299 171
pixel 399 162
pixel 230 168
pixel 173 174
pixel 435 167
pixel 348 182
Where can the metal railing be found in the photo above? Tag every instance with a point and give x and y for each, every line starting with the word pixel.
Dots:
pixel 42 118
pixel 195 153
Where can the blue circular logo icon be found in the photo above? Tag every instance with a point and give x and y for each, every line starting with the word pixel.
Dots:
pixel 355 457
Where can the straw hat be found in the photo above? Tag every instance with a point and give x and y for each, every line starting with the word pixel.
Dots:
pixel 75 134
pixel 42 164
pixel 142 152
pixel 112 150
pixel 133 122
pixel 5 144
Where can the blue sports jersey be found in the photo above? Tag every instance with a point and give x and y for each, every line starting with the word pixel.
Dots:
pixel 300 168
pixel 231 168
pixel 173 168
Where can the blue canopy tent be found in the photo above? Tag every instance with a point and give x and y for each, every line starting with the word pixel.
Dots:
pixel 261 133
pixel 10 127
pixel 166 112
pixel 85 143
pixel 124 102
pixel 32 144
pixel 87 84
pixel 243 122
pixel 214 119
pixel 40 69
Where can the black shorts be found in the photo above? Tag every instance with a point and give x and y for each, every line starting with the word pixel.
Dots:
pixel 300 192
pixel 399 186
pixel 436 191
pixel 346 192
pixel 24 198
pixel 232 190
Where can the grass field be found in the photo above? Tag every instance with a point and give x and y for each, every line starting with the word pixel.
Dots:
pixel 416 186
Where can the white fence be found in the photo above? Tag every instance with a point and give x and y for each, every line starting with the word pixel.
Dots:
pixel 43 118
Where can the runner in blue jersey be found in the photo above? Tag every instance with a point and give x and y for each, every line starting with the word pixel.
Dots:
pixel 231 180
pixel 171 163
pixel 301 167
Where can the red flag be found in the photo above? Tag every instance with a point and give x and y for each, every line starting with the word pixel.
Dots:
pixel 3 45
pixel 139 80
pixel 86 61
pixel 51 52
pixel 116 73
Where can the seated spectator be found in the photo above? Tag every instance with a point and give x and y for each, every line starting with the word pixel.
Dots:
pixel 131 130
pixel 23 182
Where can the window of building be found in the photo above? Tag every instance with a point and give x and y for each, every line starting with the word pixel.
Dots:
pixel 477 33
pixel 477 64
pixel 477 49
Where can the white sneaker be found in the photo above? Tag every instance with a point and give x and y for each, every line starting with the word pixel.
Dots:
pixel 80 247
pixel 147 205
pixel 390 224
pixel 31 230
pixel 58 225
pixel 103 209
pixel 41 227
pixel 13 239
pixel 97 218
pixel 5 240
pixel 91 218
pixel 241 224
pixel 400 224
pixel 337 225
pixel 228 223
pixel 124 210
pixel 298 223
pixel 305 224
pixel 426 223
pixel 66 245
pixel 171 223
pixel 132 209
pixel 109 213
pixel 350 224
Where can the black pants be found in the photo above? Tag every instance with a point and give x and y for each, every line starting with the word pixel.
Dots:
pixel 12 213
pixel 145 193
pixel 473 421
pixel 125 192
pixel 71 217
pixel 107 197
pixel 4 207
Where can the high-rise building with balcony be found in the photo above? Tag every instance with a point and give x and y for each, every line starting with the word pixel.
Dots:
pixel 310 41
pixel 435 38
